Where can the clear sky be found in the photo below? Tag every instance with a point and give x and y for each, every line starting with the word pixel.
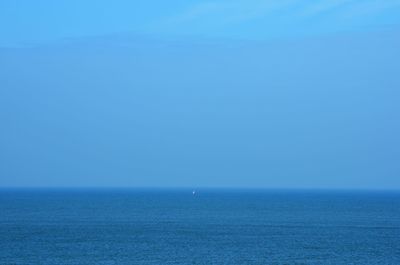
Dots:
pixel 288 94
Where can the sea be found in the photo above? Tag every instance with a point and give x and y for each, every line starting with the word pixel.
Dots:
pixel 211 226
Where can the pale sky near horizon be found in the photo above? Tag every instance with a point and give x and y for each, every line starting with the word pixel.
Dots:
pixel 274 94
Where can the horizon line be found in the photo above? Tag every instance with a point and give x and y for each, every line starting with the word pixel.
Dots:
pixel 191 188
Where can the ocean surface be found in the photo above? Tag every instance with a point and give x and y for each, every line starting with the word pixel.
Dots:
pixel 211 227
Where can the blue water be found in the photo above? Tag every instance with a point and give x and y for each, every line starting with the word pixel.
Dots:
pixel 212 227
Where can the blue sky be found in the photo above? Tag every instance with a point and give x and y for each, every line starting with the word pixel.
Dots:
pixel 27 22
pixel 286 94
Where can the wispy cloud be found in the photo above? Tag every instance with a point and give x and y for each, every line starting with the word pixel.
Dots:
pixel 324 6
pixel 262 16
pixel 367 8
pixel 230 11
